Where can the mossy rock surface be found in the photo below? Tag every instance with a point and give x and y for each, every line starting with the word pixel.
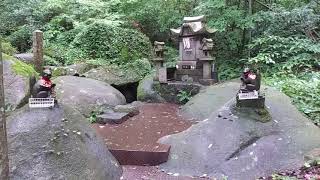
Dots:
pixel 17 76
pixel 120 75
pixel 170 92
pixel 240 144
pixel 57 144
pixel 146 92
pixel 71 70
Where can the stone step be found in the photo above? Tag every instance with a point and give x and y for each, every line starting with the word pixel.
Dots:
pixel 113 117
pixel 150 156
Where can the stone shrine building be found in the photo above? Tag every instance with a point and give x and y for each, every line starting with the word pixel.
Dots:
pixel 196 57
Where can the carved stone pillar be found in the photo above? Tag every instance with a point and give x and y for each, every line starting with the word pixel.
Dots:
pixel 38 50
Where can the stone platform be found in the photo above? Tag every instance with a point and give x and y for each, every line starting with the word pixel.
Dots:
pixel 134 142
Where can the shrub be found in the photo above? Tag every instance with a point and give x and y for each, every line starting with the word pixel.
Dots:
pixel 290 55
pixel 22 38
pixel 8 49
pixel 110 42
pixel 304 91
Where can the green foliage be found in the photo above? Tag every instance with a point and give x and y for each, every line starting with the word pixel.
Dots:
pixel 184 96
pixel 171 56
pixel 291 55
pixel 93 117
pixel 283 22
pixel 154 17
pixel 22 38
pixel 304 90
pixel 112 43
pixel 291 4
pixel 19 67
pixel 7 48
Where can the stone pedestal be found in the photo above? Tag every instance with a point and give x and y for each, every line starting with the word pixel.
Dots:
pixel 207 78
pixel 206 70
pixel 252 103
pixel 162 76
pixel 158 64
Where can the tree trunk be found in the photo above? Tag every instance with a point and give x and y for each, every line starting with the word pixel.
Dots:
pixel 4 160
pixel 249 29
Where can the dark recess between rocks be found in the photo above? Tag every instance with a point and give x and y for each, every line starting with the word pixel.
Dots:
pixel 129 91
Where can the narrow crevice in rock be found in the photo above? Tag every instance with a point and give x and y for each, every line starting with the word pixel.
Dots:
pixel 243 146
pixel 129 91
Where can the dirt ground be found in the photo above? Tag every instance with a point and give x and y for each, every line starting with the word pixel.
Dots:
pixel 142 132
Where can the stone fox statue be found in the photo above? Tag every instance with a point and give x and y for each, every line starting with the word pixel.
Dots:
pixel 250 81
pixel 44 87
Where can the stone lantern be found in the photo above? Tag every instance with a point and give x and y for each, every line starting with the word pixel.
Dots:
pixel 196 63
pixel 158 60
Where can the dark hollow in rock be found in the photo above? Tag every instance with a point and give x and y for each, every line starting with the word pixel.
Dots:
pixel 78 75
pixel 129 91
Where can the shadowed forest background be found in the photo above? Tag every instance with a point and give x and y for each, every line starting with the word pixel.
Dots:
pixel 279 37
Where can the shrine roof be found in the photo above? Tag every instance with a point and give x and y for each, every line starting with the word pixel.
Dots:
pixel 196 25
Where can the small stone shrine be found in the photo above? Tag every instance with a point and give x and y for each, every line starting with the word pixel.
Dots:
pixel 161 73
pixel 196 61
pixel 249 94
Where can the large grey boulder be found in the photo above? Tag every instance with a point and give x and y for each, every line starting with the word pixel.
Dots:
pixel 147 93
pixel 210 100
pixel 16 81
pixel 232 143
pixel 87 95
pixel 25 57
pixel 79 68
pixel 57 144
pixel 132 72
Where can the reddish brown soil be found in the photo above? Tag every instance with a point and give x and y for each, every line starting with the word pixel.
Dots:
pixel 151 173
pixel 311 173
pixel 144 130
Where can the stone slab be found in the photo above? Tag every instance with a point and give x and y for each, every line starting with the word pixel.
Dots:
pixel 163 75
pixel 129 108
pixel 112 118
pixel 254 103
pixel 150 156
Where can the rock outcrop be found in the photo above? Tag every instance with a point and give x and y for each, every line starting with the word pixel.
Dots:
pixel 16 81
pixel 87 95
pixel 231 143
pixel 57 144
pixel 146 92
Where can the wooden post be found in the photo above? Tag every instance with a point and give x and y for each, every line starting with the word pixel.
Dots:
pixel 38 50
pixel 4 160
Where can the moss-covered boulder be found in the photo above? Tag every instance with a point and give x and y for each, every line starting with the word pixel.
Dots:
pixel 121 75
pixel 17 81
pixel 79 68
pixel 146 92
pixel 57 144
